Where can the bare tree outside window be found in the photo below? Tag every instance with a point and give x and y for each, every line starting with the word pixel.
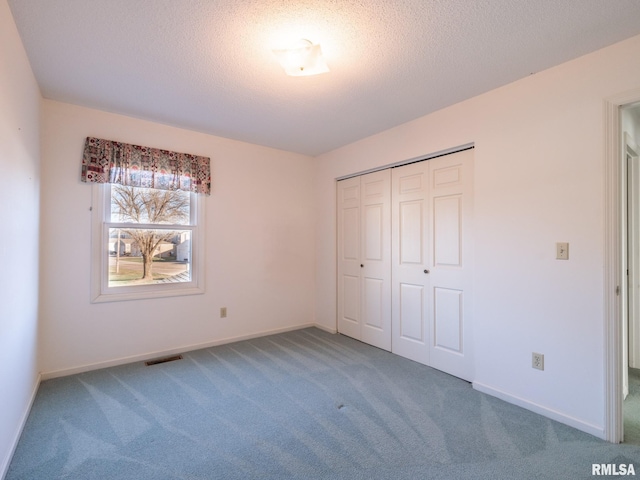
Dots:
pixel 146 243
pixel 149 207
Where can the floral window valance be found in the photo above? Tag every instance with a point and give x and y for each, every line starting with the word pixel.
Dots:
pixel 106 161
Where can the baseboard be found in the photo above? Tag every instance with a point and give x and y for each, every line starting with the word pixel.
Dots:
pixel 325 328
pixel 185 348
pixel 541 410
pixel 4 467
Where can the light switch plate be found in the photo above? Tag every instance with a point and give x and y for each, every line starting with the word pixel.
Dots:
pixel 562 251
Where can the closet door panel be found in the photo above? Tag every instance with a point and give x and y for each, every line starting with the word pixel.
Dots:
pixel 411 313
pixel 351 295
pixel 447 229
pixel 373 303
pixel 348 246
pixel 410 230
pixel 364 250
pixel 351 234
pixel 376 259
pixel 451 273
pixel 374 233
pixel 448 321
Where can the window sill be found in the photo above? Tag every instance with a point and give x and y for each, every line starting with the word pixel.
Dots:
pixel 155 293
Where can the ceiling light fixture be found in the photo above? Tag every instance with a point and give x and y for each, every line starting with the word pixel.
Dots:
pixel 303 58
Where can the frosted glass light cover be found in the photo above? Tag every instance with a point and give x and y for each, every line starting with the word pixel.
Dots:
pixel 302 59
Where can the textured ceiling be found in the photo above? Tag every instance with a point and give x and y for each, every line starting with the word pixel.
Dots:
pixel 207 65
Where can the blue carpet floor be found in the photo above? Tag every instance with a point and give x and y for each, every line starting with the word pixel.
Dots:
pixel 631 409
pixel 304 404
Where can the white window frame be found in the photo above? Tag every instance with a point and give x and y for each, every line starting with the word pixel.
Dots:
pixel 101 222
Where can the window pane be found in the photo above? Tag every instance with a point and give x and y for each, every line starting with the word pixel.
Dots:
pixel 148 256
pixel 148 205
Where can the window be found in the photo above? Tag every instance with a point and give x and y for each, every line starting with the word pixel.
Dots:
pixel 147 243
pixel 148 235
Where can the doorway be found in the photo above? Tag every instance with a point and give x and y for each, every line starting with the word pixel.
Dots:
pixel 630 298
pixel 620 114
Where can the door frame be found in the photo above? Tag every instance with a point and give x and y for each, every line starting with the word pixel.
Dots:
pixel 633 247
pixel 613 272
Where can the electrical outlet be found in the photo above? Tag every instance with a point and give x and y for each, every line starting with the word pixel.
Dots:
pixel 223 312
pixel 537 360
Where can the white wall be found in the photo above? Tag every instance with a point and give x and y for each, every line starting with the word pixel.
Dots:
pixel 539 167
pixel 19 200
pixel 259 247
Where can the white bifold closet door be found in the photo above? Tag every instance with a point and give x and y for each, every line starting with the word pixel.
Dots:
pixel 405 261
pixel 432 262
pixel 364 258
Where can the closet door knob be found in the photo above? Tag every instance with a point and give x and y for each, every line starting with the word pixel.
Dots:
pixel 426 271
pixel 361 265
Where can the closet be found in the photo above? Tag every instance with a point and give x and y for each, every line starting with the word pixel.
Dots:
pixel 405 261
